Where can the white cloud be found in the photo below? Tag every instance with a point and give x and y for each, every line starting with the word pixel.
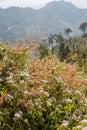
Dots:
pixel 38 3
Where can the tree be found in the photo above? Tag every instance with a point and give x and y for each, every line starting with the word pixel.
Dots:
pixel 50 41
pixel 60 37
pixel 43 51
pixel 63 51
pixel 68 31
pixel 83 27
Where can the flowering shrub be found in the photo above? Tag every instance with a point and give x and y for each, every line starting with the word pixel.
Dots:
pixel 40 94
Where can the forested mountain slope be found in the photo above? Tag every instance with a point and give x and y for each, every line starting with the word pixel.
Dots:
pixel 53 18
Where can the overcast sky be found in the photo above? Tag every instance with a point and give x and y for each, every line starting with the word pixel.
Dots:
pixel 38 3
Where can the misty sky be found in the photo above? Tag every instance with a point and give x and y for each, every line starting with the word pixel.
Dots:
pixel 38 3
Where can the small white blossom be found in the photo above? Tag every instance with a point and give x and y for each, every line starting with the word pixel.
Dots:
pixel 59 80
pixel 65 123
pixel 81 102
pixel 25 74
pixel 10 81
pixel 46 93
pixel 84 128
pixel 38 103
pixel 68 91
pixel 84 121
pixel 40 89
pixel 68 100
pixel 49 102
pixel 21 81
pixel 45 81
pixel 10 77
pixel 18 115
pixel 85 100
pixel 26 91
pixel 5 58
pixel 8 97
pixel 78 92
pixel 85 105
pixel 1 80
pixel 77 127
pixel 55 67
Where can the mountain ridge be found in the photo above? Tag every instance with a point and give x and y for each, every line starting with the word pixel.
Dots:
pixel 53 18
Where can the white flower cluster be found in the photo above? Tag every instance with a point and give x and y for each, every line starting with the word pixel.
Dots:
pixel 8 97
pixel 1 80
pixel 26 92
pixel 77 127
pixel 38 103
pixel 44 92
pixel 78 92
pixel 68 100
pixel 84 121
pixel 5 58
pixel 84 128
pixel 50 101
pixel 18 115
pixel 65 123
pixel 10 78
pixel 59 80
pixel 45 81
pixel 25 74
pixel 68 90
pixel 22 81
pixel 40 89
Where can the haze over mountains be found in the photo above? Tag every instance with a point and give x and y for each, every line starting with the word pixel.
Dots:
pixel 18 22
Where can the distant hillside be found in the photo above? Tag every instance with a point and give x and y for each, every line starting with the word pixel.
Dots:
pixel 54 17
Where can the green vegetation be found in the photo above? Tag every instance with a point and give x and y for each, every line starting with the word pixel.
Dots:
pixel 73 50
pixel 43 51
pixel 67 31
pixel 83 27
pixel 40 94
pixel 38 90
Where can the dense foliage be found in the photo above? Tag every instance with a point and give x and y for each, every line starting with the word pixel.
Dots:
pixel 73 50
pixel 40 94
